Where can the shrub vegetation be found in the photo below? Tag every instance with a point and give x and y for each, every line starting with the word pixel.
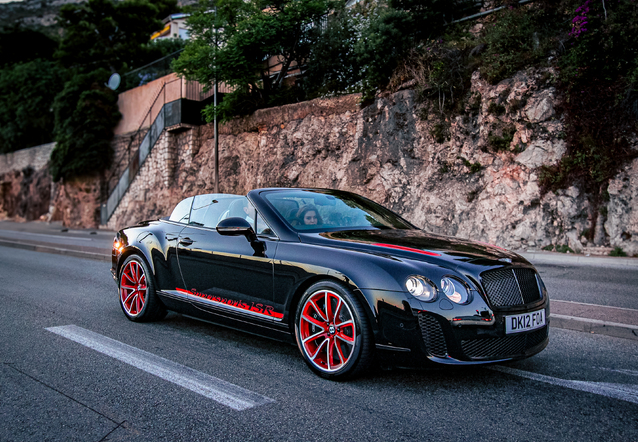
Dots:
pixel 53 89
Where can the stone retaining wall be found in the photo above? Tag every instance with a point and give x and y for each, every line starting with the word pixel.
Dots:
pixel 35 157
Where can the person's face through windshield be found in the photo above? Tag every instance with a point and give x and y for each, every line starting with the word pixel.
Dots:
pixel 310 218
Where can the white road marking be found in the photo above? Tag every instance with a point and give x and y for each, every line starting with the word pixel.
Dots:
pixel 621 371
pixel 13 233
pixel 225 393
pixel 625 392
pixel 594 321
pixel 594 305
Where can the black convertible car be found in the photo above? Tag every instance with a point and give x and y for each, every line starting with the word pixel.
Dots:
pixel 342 276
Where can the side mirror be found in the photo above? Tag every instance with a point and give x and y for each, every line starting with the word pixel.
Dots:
pixel 236 226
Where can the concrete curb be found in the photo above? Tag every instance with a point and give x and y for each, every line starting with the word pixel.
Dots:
pixel 594 326
pixel 574 259
pixel 56 250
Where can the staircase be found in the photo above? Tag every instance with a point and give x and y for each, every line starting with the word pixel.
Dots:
pixel 178 104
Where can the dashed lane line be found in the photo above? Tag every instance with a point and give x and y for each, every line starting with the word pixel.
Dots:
pixel 225 393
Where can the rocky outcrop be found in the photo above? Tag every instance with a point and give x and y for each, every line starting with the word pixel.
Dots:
pixel 480 183
pixel 622 211
pixel 25 194
pixel 76 202
pixel 25 183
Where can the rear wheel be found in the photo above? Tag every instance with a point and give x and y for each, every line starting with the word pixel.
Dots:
pixel 137 292
pixel 332 331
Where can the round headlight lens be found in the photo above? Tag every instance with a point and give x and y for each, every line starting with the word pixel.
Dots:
pixel 420 288
pixel 455 290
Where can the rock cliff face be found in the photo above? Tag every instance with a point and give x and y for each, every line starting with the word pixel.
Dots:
pixel 622 210
pixel 25 194
pixel 481 182
pixel 76 202
pixel 25 183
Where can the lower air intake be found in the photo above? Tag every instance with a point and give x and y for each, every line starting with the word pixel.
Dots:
pixel 432 335
pixel 514 345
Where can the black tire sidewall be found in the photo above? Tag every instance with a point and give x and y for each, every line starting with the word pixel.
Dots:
pixel 361 329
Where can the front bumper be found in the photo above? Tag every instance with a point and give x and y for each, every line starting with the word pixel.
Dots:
pixel 440 337
pixel 444 342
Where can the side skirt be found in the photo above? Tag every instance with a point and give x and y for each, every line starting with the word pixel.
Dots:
pixel 227 318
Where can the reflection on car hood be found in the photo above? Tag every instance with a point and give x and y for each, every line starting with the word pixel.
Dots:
pixel 416 244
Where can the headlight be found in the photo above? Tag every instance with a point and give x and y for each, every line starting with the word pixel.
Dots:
pixel 421 288
pixel 455 290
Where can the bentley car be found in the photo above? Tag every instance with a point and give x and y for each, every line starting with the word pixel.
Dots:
pixel 347 280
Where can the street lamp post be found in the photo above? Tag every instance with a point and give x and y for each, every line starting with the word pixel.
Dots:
pixel 215 122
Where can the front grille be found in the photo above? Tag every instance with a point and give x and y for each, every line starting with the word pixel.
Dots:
pixel 514 345
pixel 432 335
pixel 510 287
pixel 527 282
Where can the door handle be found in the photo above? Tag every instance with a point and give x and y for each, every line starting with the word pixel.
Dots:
pixel 185 241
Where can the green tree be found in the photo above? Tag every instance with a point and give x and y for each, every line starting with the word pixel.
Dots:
pixel 332 67
pixel 27 91
pixel 362 46
pixel 107 34
pixel 99 37
pixel 86 112
pixel 231 40
pixel 395 28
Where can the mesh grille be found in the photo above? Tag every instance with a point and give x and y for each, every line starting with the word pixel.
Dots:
pixel 432 335
pixel 503 347
pixel 502 287
pixel 536 337
pixel 527 282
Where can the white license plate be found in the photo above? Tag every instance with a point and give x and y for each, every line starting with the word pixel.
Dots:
pixel 524 322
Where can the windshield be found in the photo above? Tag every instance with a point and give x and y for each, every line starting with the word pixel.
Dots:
pixel 325 210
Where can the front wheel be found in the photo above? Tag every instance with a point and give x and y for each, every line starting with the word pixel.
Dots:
pixel 333 331
pixel 137 292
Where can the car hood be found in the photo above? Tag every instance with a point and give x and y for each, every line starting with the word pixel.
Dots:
pixel 417 245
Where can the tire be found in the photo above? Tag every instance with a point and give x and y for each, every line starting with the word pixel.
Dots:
pixel 136 290
pixel 333 331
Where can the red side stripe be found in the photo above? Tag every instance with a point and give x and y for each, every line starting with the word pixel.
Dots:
pixel 264 312
pixel 406 249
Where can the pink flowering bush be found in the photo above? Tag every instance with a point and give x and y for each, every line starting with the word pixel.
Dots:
pixel 579 22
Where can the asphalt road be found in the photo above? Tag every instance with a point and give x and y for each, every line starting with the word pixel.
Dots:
pixel 165 382
pixel 609 286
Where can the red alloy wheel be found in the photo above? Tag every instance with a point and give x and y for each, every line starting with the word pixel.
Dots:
pixel 327 330
pixel 133 288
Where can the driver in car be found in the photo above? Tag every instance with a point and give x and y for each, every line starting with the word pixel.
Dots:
pixel 308 215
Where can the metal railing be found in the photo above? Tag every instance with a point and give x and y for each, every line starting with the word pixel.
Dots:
pixel 147 73
pixel 167 110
